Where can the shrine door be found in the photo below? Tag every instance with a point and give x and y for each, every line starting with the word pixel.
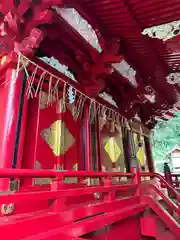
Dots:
pixel 140 151
pixel 112 154
pixel 57 137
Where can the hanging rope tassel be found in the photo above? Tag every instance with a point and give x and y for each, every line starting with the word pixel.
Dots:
pixel 53 92
pixel 40 83
pixel 64 98
pixel 77 107
pixel 81 107
pixel 30 89
pixel 50 99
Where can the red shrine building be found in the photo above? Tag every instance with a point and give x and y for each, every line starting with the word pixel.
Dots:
pixel 82 83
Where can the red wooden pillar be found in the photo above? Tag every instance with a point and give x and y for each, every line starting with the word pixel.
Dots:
pixel 135 165
pixel 30 146
pixel 88 138
pixel 9 111
pixel 99 158
pixel 149 155
pixel 22 130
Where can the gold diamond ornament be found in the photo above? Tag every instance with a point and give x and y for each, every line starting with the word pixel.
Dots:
pixel 141 156
pixel 112 149
pixel 58 137
pixel 140 150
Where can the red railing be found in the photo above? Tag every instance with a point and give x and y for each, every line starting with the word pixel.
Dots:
pixel 175 180
pixel 168 201
pixel 57 203
pixel 60 175
pixel 31 173
pixel 165 183
pixel 58 194
pixel 57 188
pixel 21 174
pixel 158 209
pixel 175 174
pixel 166 218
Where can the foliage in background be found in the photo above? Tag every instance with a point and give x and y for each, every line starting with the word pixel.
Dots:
pixel 164 137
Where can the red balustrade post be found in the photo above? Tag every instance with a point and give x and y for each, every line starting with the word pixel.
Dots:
pixel 57 185
pixel 137 180
pixel 88 137
pixel 31 141
pixel 111 195
pixel 135 165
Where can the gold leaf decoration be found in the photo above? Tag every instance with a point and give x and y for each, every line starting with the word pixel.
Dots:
pixel 140 153
pixel 112 149
pixel 141 156
pixel 58 137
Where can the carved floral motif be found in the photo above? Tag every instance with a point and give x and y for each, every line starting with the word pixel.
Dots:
pixel 126 71
pixel 173 78
pixel 53 62
pixel 107 98
pixel 80 25
pixel 164 32
pixel 53 137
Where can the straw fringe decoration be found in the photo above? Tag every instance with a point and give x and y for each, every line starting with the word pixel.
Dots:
pixel 30 89
pixel 91 111
pixel 78 106
pixel 104 112
pixel 40 83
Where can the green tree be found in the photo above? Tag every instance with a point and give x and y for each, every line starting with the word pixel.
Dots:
pixel 164 137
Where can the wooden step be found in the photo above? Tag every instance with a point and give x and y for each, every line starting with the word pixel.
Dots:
pixel 91 224
pixel 162 214
pixel 171 211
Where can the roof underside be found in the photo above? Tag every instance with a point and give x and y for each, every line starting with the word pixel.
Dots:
pixel 101 43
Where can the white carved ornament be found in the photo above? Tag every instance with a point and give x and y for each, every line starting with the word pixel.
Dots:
pixel 53 62
pixel 107 98
pixel 150 97
pixel 81 25
pixel 126 71
pixel 173 78
pixel 164 31
pixel 150 94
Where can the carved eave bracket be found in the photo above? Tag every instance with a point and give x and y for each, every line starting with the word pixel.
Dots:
pixel 103 65
pixel 19 27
